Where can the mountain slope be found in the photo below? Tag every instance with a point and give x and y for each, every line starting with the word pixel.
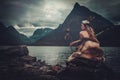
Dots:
pixel 110 37
pixel 10 36
pixel 73 23
pixel 39 33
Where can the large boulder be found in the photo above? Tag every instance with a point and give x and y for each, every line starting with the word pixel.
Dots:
pixel 17 51
pixel 86 69
pixel 17 64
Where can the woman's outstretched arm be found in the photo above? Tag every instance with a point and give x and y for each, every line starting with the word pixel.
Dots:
pixel 74 42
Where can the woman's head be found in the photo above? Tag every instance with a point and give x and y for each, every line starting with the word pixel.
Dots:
pixel 83 27
pixel 85 24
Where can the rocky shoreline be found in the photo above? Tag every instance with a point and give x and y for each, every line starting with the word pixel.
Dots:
pixel 17 64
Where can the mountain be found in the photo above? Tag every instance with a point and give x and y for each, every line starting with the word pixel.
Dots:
pixel 71 27
pixel 10 36
pixel 110 37
pixel 39 33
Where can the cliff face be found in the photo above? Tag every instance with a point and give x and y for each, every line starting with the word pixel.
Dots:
pixel 73 23
pixel 80 13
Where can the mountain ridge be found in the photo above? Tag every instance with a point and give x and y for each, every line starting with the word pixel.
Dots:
pixel 10 36
pixel 39 33
pixel 73 22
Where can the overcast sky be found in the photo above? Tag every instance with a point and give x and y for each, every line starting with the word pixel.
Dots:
pixel 41 13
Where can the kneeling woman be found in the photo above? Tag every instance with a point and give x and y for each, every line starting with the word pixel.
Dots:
pixel 87 38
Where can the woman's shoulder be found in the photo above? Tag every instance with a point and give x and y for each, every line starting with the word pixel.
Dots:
pixel 83 32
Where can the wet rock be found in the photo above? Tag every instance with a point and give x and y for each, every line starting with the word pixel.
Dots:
pixel 28 59
pixel 85 69
pixel 17 64
pixel 18 51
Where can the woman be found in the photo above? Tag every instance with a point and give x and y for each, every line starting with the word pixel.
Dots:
pixel 87 38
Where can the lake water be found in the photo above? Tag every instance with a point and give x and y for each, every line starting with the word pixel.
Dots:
pixel 58 55
pixel 52 55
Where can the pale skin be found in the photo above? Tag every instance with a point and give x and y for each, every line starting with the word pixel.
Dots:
pixel 87 56
pixel 71 57
pixel 84 34
pixel 88 44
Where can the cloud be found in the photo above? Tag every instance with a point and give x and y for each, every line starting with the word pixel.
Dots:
pixel 16 26
pixel 36 12
pixel 14 11
pixel 28 29
pixel 108 8
pixel 52 12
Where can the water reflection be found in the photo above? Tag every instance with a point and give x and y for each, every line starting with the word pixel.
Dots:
pixel 50 54
pixel 55 54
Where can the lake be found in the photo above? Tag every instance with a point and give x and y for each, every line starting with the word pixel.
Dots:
pixel 58 55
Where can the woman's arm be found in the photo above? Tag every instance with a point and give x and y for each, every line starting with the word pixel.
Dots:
pixel 74 42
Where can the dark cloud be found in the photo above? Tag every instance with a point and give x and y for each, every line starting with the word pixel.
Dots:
pixel 52 12
pixel 108 8
pixel 11 11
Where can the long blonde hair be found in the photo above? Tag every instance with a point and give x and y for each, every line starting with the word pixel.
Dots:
pixel 91 32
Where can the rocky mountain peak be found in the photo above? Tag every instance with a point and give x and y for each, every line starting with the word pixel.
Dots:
pixel 76 5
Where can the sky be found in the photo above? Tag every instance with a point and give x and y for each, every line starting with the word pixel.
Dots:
pixel 51 13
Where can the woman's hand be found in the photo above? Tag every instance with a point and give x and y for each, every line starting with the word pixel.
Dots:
pixel 71 43
pixel 74 42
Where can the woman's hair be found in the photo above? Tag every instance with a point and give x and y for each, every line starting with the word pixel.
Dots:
pixel 91 32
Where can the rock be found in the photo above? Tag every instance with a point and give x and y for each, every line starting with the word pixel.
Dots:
pixel 85 69
pixel 17 64
pixel 18 51
pixel 48 77
pixel 28 59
